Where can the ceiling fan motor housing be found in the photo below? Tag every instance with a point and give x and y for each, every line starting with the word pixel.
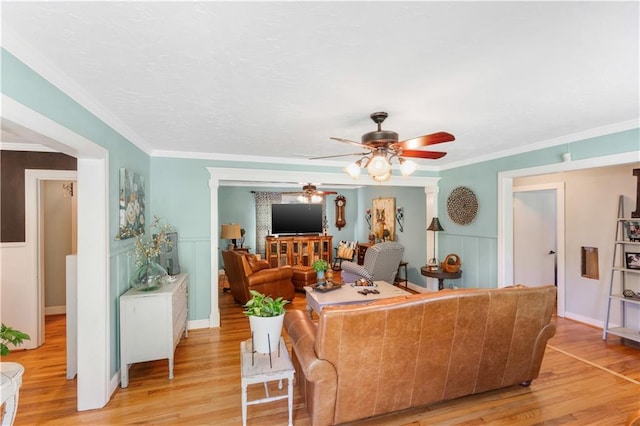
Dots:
pixel 380 138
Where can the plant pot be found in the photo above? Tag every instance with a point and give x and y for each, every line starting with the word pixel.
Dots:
pixel 266 333
pixel 320 276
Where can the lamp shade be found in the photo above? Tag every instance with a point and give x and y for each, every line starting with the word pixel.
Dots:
pixel 230 231
pixel 435 225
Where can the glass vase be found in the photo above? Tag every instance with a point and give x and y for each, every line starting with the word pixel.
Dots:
pixel 148 277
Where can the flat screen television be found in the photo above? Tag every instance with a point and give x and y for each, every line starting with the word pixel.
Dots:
pixel 296 219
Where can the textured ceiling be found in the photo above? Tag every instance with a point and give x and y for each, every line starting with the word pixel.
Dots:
pixel 278 79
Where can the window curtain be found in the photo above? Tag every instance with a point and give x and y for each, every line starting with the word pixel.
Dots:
pixel 263 218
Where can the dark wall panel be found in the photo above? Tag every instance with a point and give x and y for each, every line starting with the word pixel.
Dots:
pixel 12 167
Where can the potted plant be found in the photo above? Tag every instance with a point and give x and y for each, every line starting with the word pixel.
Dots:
pixel 320 266
pixel 10 336
pixel 266 316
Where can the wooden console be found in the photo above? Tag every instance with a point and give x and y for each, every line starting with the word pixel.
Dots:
pixel 301 250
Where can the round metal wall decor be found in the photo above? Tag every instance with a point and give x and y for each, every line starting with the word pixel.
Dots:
pixel 462 205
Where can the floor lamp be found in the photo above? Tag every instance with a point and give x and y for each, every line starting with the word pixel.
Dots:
pixel 434 226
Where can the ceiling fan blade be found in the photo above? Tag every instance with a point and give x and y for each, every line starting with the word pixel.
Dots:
pixel 323 193
pixel 425 140
pixel 431 155
pixel 339 155
pixel 358 144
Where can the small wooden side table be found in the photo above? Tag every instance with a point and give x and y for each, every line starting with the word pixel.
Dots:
pixel 262 368
pixel 404 278
pixel 440 275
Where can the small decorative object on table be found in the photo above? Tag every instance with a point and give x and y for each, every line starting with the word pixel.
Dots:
pixel 320 266
pixel 149 275
pixel 266 316
pixel 451 263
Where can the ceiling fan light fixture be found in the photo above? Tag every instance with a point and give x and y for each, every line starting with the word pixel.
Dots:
pixel 379 166
pixel 407 167
pixel 382 178
pixel 353 169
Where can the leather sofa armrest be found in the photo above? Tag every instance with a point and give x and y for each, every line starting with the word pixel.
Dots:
pixel 539 348
pixel 320 376
pixel 266 276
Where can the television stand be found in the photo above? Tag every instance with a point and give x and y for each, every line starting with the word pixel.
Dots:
pixel 298 250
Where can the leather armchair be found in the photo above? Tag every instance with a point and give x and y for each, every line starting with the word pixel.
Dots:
pixel 381 263
pixel 245 272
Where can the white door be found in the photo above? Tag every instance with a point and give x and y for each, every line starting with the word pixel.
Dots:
pixel 535 237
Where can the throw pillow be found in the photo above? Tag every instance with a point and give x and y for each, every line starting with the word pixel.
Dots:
pixel 257 264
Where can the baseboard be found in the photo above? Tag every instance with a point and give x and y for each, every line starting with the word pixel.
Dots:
pixel 586 320
pixel 55 310
pixel 196 324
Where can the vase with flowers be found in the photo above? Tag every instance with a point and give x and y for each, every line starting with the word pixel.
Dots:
pixel 149 275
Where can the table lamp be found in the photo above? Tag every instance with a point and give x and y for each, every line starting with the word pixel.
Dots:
pixel 435 227
pixel 230 232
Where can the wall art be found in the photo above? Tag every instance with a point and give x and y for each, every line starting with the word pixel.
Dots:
pixel 384 219
pixel 132 204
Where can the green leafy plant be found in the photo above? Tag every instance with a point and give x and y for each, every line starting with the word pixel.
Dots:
pixel 320 265
pixel 10 336
pixel 264 306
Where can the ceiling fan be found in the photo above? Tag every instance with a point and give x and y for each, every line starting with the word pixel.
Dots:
pixel 310 194
pixel 383 146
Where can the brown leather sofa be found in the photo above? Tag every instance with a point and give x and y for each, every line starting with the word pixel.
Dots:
pixel 367 360
pixel 245 272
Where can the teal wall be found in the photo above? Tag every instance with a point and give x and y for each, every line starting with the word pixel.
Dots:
pixel 476 243
pixel 27 87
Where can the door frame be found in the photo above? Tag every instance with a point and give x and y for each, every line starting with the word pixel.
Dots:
pixel 94 381
pixel 505 206
pixel 558 188
pixel 34 235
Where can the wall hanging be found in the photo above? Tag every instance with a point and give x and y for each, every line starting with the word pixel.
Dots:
pixel 383 219
pixel 132 204
pixel 462 205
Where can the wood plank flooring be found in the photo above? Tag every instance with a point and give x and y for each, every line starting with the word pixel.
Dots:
pixel 583 381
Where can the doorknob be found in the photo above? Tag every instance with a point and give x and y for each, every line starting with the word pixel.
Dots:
pixel 552 252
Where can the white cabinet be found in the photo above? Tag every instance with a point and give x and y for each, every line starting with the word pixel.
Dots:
pixel 151 324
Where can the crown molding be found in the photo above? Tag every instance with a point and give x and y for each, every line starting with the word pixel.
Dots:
pixel 570 138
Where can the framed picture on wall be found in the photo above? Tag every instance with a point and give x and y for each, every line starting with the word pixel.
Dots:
pixel 383 218
pixel 131 204
pixel 168 257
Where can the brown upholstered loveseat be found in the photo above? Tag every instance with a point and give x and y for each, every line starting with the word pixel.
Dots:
pixel 367 360
pixel 245 273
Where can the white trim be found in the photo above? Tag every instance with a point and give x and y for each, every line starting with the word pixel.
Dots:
pixel 198 324
pixel 34 147
pixel 220 175
pixel 55 310
pixel 561 140
pixel 226 174
pixel 94 349
pixel 33 218
pixel 505 204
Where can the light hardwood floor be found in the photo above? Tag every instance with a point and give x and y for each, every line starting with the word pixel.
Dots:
pixel 583 380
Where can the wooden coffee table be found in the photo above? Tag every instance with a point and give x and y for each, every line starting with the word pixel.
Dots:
pixel 348 295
